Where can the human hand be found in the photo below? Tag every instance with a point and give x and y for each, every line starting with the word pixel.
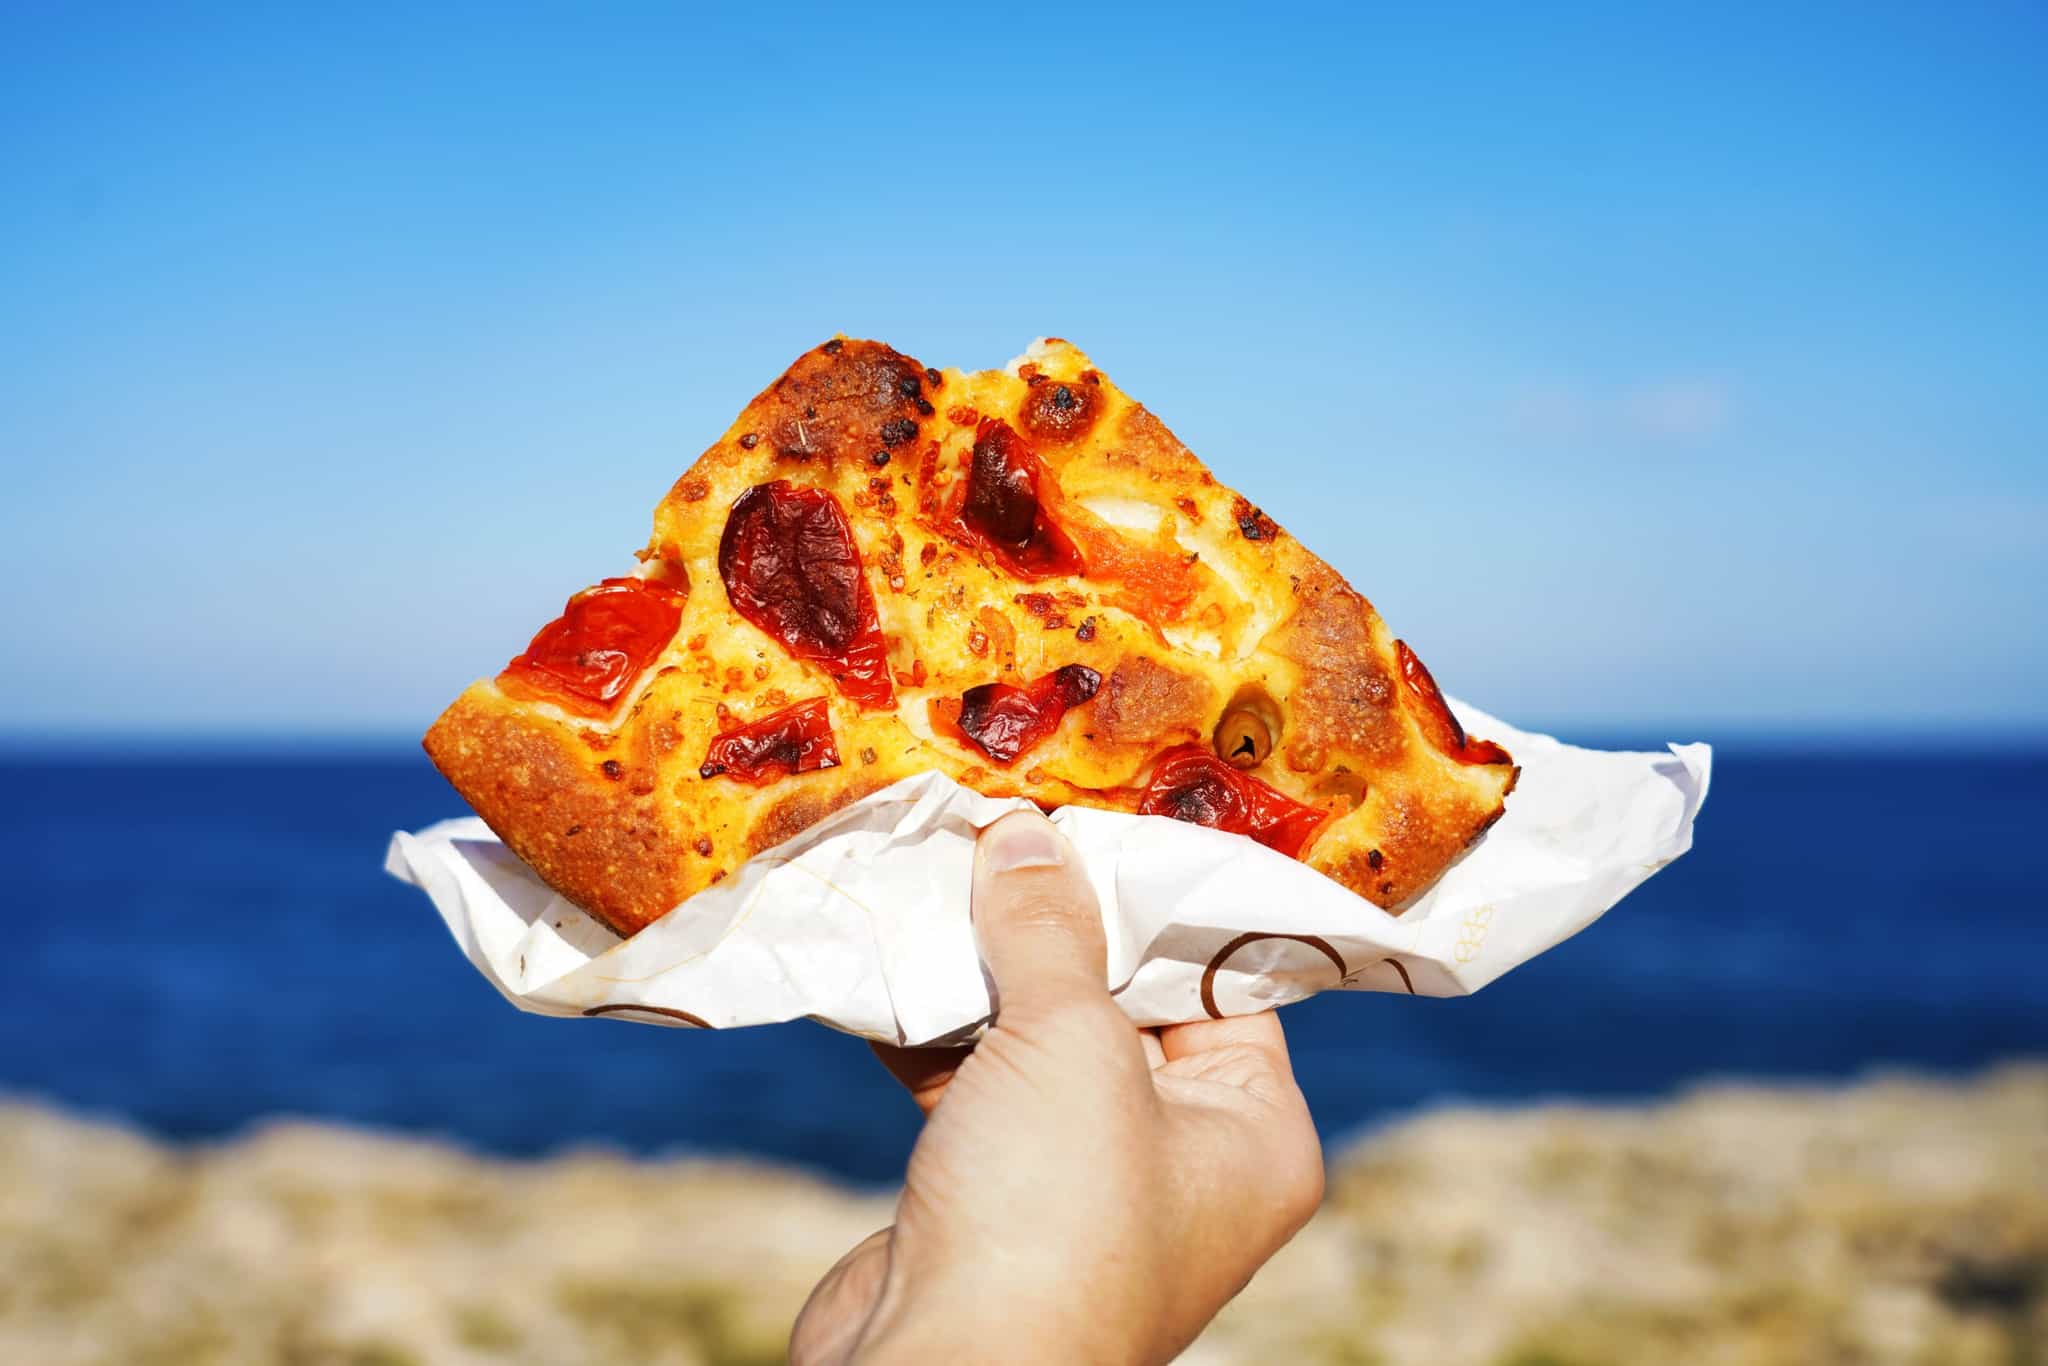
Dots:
pixel 1083 1190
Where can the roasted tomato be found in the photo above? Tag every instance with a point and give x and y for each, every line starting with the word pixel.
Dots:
pixel 1000 511
pixel 584 660
pixel 1190 783
pixel 791 567
pixel 1437 722
pixel 796 739
pixel 1003 720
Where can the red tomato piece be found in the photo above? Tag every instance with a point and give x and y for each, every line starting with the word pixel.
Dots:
pixel 1190 783
pixel 791 567
pixel 1003 720
pixel 797 739
pixel 1001 512
pixel 585 659
pixel 1442 727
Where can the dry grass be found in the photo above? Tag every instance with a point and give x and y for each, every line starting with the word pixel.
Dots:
pixel 1891 1222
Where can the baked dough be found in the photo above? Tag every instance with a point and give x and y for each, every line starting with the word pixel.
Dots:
pixel 1032 528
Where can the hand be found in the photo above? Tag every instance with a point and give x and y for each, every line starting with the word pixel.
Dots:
pixel 1083 1190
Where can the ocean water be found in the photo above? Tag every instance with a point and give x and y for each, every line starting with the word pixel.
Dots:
pixel 197 944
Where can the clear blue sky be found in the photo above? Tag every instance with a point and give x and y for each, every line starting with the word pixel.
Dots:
pixel 1676 368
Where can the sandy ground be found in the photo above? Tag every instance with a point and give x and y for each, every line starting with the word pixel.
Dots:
pixel 1895 1221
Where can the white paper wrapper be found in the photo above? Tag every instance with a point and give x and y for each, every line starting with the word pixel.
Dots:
pixel 861 921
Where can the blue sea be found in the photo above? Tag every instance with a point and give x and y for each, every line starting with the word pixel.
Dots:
pixel 196 944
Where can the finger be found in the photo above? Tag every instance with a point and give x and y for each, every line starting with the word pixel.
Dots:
pixel 1261 1031
pixel 1155 1055
pixel 830 1323
pixel 1035 917
pixel 1247 1052
pixel 924 1072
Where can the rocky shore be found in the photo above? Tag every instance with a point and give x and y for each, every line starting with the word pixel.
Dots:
pixel 1892 1221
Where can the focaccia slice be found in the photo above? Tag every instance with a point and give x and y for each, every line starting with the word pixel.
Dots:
pixel 1018 577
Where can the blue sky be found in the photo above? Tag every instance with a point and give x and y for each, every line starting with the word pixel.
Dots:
pixel 1678 369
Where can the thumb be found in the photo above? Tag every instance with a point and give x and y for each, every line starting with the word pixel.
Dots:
pixel 1035 917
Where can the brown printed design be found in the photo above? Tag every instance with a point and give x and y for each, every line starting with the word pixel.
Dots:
pixel 1316 942
pixel 685 1016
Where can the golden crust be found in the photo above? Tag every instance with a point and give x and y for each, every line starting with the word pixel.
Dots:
pixel 595 833
pixel 1193 603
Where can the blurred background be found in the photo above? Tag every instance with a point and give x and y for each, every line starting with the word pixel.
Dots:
pixel 1666 374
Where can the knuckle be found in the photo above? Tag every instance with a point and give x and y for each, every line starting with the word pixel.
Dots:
pixel 1242 1059
pixel 1047 907
pixel 1040 910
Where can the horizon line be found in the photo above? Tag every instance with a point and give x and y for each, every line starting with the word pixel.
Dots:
pixel 1790 736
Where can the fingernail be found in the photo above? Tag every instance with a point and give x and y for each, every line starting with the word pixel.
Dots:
pixel 1022 842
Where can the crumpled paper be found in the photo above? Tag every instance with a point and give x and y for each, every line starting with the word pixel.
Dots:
pixel 861 922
